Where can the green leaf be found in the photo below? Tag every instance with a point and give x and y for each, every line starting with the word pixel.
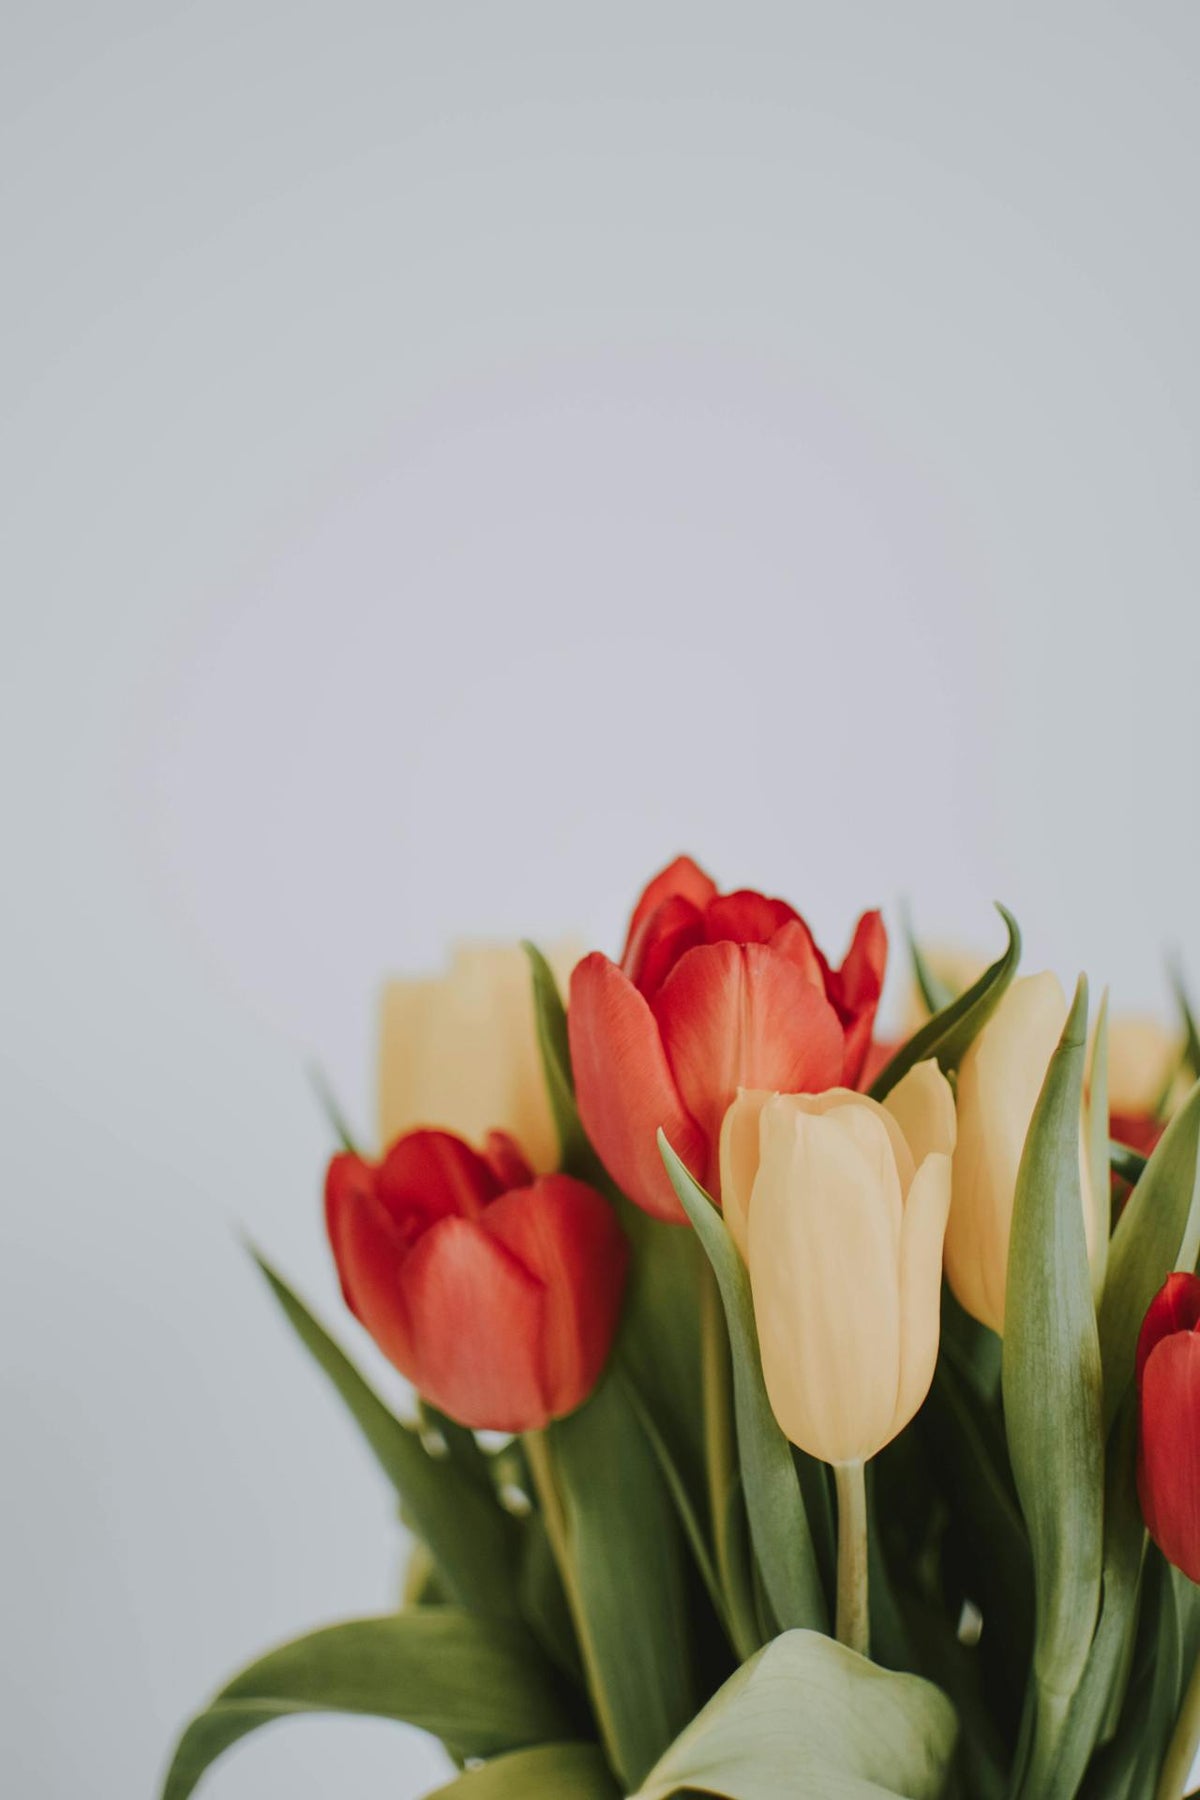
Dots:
pixel 577 1156
pixel 806 1716
pixel 626 1574
pixel 1099 1175
pixel 1052 1393
pixel 333 1112
pixel 551 1771
pixel 950 1033
pixel 1129 1164
pixel 474 1542
pixel 1155 1234
pixel 480 1685
pixel 1191 1052
pixel 778 1523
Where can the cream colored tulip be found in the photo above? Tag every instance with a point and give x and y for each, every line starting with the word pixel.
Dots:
pixel 999 1081
pixel 839 1206
pixel 459 1051
pixel 1143 1065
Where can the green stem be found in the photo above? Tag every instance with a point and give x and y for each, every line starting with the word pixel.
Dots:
pixel 853 1614
pixel 721 1457
pixel 541 1467
pixel 1185 1741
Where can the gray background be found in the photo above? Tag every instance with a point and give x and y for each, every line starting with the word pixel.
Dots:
pixel 454 456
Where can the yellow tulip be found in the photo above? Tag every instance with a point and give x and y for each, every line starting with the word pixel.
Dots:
pixel 1143 1066
pixel 839 1207
pixel 459 1051
pixel 999 1081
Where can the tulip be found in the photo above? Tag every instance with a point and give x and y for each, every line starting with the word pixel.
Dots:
pixel 714 992
pixel 839 1207
pixel 459 1051
pixel 999 1081
pixel 496 1293
pixel 1168 1377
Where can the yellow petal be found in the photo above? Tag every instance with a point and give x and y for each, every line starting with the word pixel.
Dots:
pixel 739 1160
pixel 824 1232
pixel 922 1104
pixel 1142 1059
pixel 460 1052
pixel 922 1236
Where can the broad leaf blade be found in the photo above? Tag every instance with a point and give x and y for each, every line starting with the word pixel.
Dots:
pixel 474 1542
pixel 1052 1390
pixel 1155 1234
pixel 950 1033
pixel 627 1562
pixel 778 1523
pixel 550 1771
pixel 807 1716
pixel 480 1685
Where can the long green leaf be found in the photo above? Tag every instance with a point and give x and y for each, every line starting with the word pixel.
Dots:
pixel 1155 1233
pixel 1191 1033
pixel 1052 1394
pixel 627 1575
pixel 473 1541
pixel 778 1522
pixel 935 994
pixel 950 1033
pixel 807 1717
pixel 576 1155
pixel 550 1771
pixel 480 1685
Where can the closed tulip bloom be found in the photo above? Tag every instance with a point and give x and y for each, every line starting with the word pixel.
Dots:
pixel 496 1293
pixel 459 1051
pixel 714 992
pixel 1144 1080
pixel 839 1206
pixel 1168 1375
pixel 999 1081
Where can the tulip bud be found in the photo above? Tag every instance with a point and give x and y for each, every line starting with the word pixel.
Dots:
pixel 839 1206
pixel 496 1294
pixel 459 1051
pixel 1168 1375
pixel 999 1081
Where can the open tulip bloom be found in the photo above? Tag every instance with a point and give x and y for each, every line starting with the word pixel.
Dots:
pixel 776 1410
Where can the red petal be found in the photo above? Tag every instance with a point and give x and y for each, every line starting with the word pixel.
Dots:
pixel 478 1319
pixel 795 941
pixel 660 940
pixel 1175 1307
pixel 744 1016
pixel 746 918
pixel 1141 1131
pixel 1169 1458
pixel 624 1085
pixel 855 990
pixel 567 1234
pixel 684 878
pixel 505 1160
pixel 428 1174
pixel 368 1249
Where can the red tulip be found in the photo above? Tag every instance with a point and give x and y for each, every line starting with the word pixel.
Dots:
pixel 715 992
pixel 1168 1374
pixel 496 1294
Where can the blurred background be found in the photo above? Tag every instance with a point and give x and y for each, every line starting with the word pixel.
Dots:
pixel 453 458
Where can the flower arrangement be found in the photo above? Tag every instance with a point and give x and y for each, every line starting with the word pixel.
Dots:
pixel 796 1414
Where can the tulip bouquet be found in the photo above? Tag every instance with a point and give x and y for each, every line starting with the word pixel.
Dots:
pixel 793 1414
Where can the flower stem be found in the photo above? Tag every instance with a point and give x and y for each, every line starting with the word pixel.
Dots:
pixel 1185 1741
pixel 853 1616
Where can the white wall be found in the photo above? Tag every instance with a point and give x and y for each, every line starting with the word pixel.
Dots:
pixel 453 457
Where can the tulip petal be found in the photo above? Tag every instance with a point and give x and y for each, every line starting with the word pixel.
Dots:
pixel 739 1154
pixel 625 1087
pixel 735 1016
pixel 478 1317
pixel 825 1222
pixel 1175 1307
pixel 427 1174
pixel 855 989
pixel 368 1249
pixel 795 941
pixel 1169 1460
pixel 922 1103
pixel 922 1236
pixel 746 918
pixel 567 1235
pixel 682 878
pixel 660 941
pixel 503 1157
